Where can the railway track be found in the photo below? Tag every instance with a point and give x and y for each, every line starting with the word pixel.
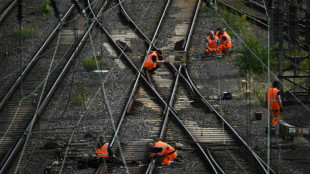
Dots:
pixel 261 20
pixel 149 108
pixel 167 109
pixel 17 53
pixel 20 112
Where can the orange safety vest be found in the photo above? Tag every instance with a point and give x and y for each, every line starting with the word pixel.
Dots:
pixel 228 40
pixel 103 151
pixel 166 148
pixel 212 42
pixel 149 64
pixel 224 34
pixel 272 98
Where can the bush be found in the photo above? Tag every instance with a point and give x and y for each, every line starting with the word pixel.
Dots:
pixel 78 100
pixel 45 7
pixel 245 60
pixel 26 32
pixel 93 63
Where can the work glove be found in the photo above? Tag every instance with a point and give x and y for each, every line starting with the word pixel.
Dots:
pixel 281 110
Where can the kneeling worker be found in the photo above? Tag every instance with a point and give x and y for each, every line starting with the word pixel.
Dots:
pixel 162 149
pixel 152 60
pixel 105 154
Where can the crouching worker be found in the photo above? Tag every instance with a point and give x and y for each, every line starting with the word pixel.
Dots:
pixel 105 154
pixel 152 61
pixel 164 150
pixel 225 42
pixel 211 44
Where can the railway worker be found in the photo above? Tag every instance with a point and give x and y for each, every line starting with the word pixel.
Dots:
pixel 152 61
pixel 211 43
pixel 225 42
pixel 274 104
pixel 105 154
pixel 164 150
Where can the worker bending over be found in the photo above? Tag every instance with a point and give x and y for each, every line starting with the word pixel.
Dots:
pixel 105 154
pixel 274 104
pixel 211 42
pixel 164 150
pixel 152 61
pixel 225 41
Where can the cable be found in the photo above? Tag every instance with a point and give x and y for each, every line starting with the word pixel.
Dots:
pixel 36 112
pixel 32 123
pixel 19 17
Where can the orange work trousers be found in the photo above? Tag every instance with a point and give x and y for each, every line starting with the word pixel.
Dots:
pixel 168 158
pixel 274 117
pixel 209 52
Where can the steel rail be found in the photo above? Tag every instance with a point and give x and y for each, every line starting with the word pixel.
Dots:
pixel 50 93
pixel 138 74
pixel 209 158
pixel 34 59
pixel 251 2
pixel 258 159
pixel 123 12
pixel 163 102
pixel 70 61
pixel 189 34
pixel 123 54
pixel 7 10
pixel 166 113
pixel 149 170
pixel 264 23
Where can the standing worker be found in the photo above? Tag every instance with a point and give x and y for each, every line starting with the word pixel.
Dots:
pixel 274 104
pixel 105 154
pixel 162 149
pixel 211 43
pixel 225 42
pixel 152 61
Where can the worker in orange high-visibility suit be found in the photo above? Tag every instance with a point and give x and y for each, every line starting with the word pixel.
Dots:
pixel 152 61
pixel 105 154
pixel 225 42
pixel 274 104
pixel 164 150
pixel 211 43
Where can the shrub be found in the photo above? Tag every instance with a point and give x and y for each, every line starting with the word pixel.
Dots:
pixel 305 64
pixel 26 32
pixel 245 60
pixel 93 63
pixel 78 100
pixel 45 7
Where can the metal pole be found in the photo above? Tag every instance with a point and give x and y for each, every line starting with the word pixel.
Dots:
pixel 19 17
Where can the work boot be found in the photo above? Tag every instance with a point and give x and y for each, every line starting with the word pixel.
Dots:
pixel 178 160
pixel 152 72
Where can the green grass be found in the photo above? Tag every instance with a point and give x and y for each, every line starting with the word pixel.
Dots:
pixel 78 100
pixel 26 32
pixel 45 7
pixel 93 63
